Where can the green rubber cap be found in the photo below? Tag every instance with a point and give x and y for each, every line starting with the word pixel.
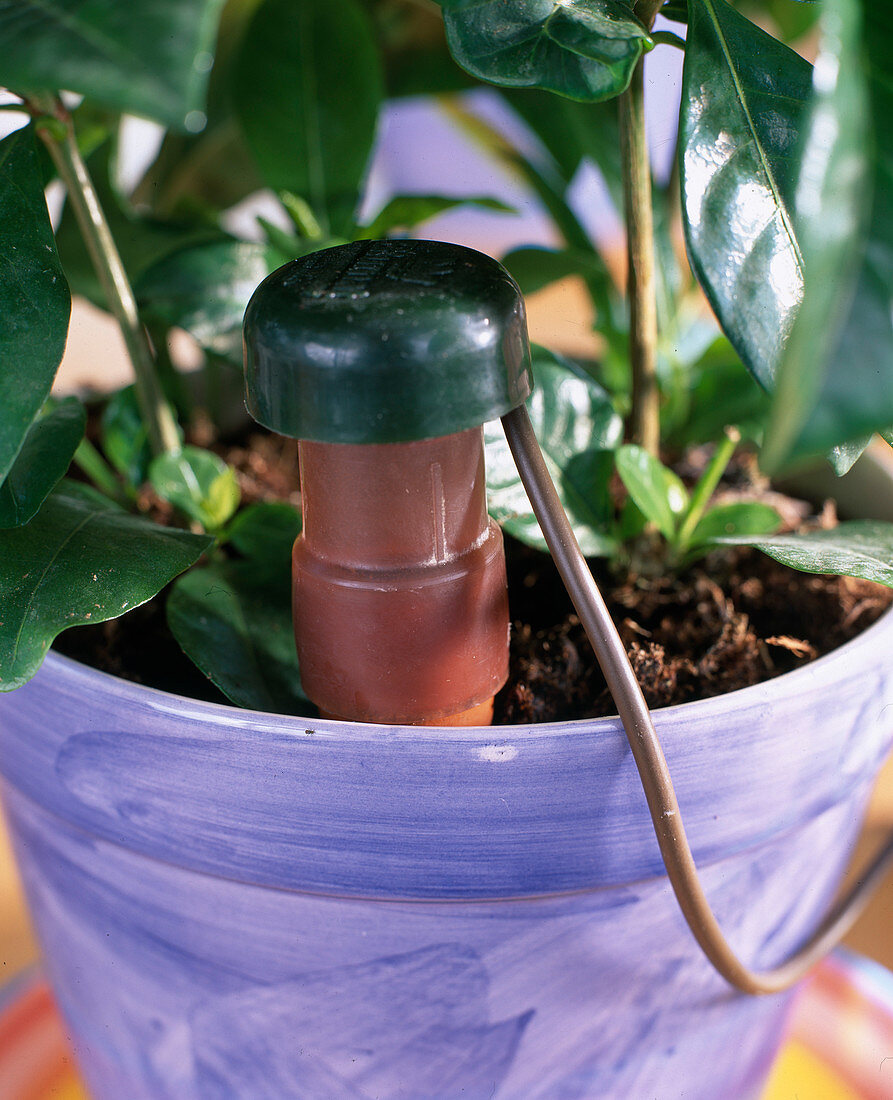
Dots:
pixel 385 342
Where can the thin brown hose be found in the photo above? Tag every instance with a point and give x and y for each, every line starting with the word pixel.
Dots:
pixel 648 755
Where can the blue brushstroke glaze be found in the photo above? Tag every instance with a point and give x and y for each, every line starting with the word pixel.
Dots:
pixel 358 1031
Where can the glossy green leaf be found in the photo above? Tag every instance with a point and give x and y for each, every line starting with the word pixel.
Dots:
pixel 149 59
pixel 125 440
pixel 743 101
pixel 34 299
pixel 577 429
pixel 234 622
pixel 742 518
pixel 858 548
pixel 656 490
pixel 408 211
pixel 205 288
pixel 42 462
pixel 197 482
pixel 78 562
pixel 830 201
pixel 792 18
pixel 838 374
pixel 582 49
pixel 309 84
pixel 266 532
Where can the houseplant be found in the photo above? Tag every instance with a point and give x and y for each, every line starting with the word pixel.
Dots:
pixel 190 1007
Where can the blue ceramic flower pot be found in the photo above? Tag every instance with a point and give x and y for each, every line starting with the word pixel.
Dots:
pixel 245 905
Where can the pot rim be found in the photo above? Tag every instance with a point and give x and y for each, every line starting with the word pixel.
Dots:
pixel 224 712
pixel 438 813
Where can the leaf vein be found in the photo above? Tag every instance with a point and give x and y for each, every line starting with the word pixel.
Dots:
pixel 27 609
pixel 748 117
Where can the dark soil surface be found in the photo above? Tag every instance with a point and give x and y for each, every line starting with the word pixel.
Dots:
pixel 734 619
pixel 703 634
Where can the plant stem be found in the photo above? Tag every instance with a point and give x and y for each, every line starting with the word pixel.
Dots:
pixel 705 488
pixel 99 472
pixel 668 38
pixel 645 411
pixel 55 127
pixel 169 376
